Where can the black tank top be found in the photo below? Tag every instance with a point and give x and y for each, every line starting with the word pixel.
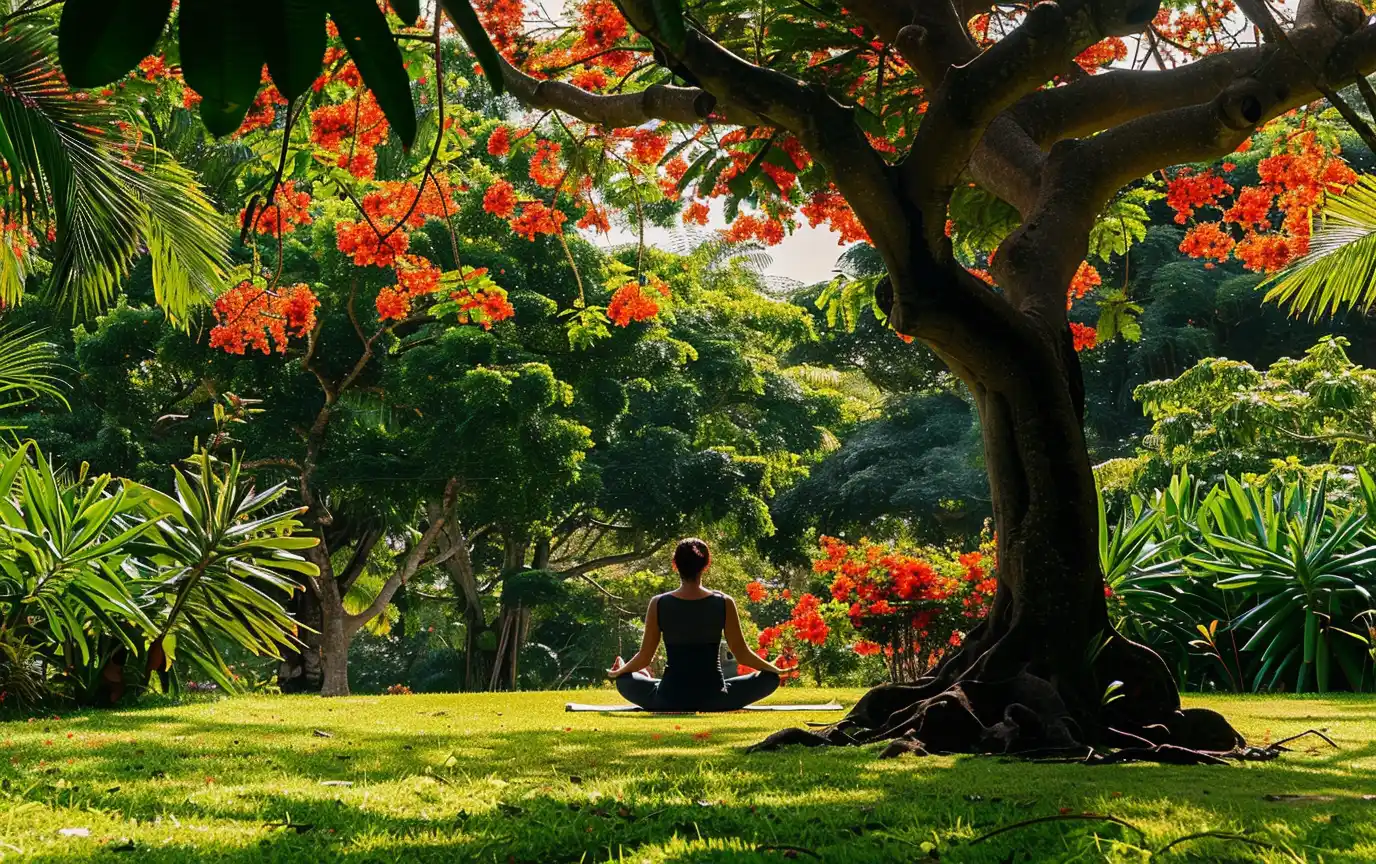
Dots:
pixel 692 632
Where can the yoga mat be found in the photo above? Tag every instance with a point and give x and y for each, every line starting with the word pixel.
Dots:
pixel 830 706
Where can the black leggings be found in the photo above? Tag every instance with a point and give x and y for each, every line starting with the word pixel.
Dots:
pixel 739 692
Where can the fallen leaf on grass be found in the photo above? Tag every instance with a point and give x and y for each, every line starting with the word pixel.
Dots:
pixel 75 832
pixel 321 733
pixel 336 782
pixel 1290 799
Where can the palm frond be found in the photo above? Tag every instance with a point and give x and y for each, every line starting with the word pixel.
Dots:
pixel 1339 272
pixel 66 169
pixel 28 367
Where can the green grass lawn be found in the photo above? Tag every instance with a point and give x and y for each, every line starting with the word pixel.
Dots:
pixel 513 778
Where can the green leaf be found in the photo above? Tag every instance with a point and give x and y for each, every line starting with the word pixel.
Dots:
pixel 294 34
pixel 100 40
pixel 365 33
pixel 673 31
pixel 462 14
pixel 222 60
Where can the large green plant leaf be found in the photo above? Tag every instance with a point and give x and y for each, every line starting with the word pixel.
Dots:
pixel 101 40
pixel 294 37
pixel 365 33
pixel 222 55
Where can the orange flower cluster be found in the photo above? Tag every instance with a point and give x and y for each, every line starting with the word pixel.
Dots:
pixel 1111 50
pixel 696 213
pixel 544 165
pixel 290 207
pixel 600 25
pixel 500 199
pixel 351 130
pixel 632 302
pixel 248 315
pixel 537 218
pixel 648 146
pixel 392 201
pixel 1084 336
pixel 483 307
pixel 416 277
pixel 1208 240
pixel 1086 279
pixel 595 218
pixel 505 23
pixel 499 142
pixel 791 640
pixel 592 80
pixel 1190 190
pixel 153 67
pixel 901 602
pixel 1295 178
pixel 367 247
pixel 765 229
pixel 263 112
pixel 830 208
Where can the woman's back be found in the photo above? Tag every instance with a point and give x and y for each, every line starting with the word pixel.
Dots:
pixel 692 640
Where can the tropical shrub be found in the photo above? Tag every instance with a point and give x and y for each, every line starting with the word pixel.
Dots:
pixel 99 576
pixel 1250 586
pixel 905 609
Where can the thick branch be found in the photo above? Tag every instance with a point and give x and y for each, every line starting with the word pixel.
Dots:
pixel 358 562
pixel 688 105
pixel 637 554
pixel 410 564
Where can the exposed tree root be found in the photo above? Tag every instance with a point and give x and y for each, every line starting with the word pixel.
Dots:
pixel 1026 716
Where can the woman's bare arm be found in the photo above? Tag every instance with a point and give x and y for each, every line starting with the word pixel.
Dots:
pixel 649 644
pixel 735 640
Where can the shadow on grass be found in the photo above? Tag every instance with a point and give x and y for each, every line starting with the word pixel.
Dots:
pixel 469 792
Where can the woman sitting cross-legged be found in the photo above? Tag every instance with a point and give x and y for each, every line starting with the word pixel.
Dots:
pixel 693 621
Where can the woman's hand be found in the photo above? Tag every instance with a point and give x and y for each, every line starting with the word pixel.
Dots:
pixel 615 671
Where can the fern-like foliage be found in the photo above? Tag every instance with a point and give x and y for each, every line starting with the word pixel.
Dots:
pixel 65 169
pixel 28 368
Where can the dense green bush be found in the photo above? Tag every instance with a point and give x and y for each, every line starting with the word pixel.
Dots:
pixel 1250 586
pixel 105 584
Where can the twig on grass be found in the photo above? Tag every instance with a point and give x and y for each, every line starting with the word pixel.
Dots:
pixel 1060 817
pixel 1217 835
pixel 1330 741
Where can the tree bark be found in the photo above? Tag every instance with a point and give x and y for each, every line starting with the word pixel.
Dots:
pixel 300 671
pixel 334 642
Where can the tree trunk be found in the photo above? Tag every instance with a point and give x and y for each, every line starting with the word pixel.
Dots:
pixel 334 642
pixel 1038 674
pixel 300 671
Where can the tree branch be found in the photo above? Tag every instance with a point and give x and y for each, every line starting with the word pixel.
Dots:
pixel 410 564
pixel 688 105
pixel 637 554
pixel 358 562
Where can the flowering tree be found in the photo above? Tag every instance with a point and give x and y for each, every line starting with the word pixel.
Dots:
pixel 874 119
pixel 912 609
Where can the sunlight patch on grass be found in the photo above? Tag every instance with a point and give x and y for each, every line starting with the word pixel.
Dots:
pixel 512 777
